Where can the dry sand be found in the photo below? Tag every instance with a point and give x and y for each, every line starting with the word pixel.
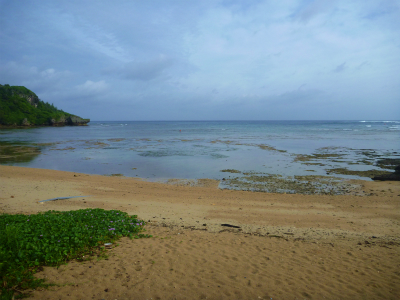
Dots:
pixel 287 246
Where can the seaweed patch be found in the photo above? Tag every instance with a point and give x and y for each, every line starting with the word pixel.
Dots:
pixel 310 184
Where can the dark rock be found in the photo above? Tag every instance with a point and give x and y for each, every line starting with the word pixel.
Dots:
pixel 76 121
pixel 70 120
pixel 388 163
pixel 395 176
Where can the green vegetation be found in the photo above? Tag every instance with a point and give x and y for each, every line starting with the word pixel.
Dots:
pixel 22 107
pixel 368 173
pixel 231 171
pixel 308 157
pixel 28 242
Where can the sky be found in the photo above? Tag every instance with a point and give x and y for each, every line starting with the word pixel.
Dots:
pixel 208 59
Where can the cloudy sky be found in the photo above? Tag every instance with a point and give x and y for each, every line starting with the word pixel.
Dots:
pixel 208 59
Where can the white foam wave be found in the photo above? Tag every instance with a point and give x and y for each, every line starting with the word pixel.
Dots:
pixel 379 121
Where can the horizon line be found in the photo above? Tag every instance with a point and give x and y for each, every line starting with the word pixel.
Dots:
pixel 240 120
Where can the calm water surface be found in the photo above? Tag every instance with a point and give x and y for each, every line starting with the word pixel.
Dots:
pixel 162 150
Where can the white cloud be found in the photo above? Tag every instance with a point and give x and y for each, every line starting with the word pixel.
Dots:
pixel 32 77
pixel 92 87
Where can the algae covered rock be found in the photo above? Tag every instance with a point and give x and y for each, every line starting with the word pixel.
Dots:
pixel 76 121
pixel 395 176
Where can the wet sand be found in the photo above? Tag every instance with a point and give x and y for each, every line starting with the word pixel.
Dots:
pixel 287 246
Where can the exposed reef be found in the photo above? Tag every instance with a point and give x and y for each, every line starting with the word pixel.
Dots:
pixel 368 173
pixel 395 176
pixel 17 152
pixel 274 183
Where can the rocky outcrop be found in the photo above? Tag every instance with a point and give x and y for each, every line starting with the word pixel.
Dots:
pixel 25 122
pixel 395 176
pixel 77 121
pixel 31 97
pixel 60 122
pixel 20 107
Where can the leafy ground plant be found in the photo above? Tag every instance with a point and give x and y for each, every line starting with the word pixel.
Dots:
pixel 28 242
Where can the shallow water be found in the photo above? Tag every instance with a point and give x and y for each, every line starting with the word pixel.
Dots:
pixel 159 151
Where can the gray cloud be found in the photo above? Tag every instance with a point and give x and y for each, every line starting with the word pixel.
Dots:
pixel 221 59
pixel 312 8
pixel 142 70
pixel 340 68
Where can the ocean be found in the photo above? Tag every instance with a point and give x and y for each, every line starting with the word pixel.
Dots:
pixel 229 151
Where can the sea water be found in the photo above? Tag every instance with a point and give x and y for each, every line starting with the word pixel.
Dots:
pixel 161 150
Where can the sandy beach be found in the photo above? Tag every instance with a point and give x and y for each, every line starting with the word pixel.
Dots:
pixel 221 244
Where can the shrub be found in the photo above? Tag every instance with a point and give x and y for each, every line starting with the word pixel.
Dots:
pixel 28 242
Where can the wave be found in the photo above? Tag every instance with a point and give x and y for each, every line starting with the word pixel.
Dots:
pixel 379 121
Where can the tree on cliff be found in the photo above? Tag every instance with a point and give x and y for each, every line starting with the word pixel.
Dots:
pixel 20 106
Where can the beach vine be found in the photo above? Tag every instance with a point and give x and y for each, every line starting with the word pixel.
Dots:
pixel 29 242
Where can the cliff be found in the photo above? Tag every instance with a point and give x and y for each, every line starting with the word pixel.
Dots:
pixel 20 106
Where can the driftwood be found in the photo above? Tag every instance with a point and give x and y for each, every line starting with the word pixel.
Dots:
pixel 229 225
